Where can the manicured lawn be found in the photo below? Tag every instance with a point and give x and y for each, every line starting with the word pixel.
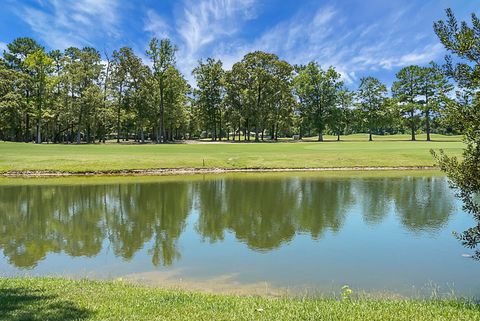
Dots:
pixel 388 151
pixel 57 299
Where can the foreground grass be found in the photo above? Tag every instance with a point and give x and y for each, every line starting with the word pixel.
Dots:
pixel 57 299
pixel 112 157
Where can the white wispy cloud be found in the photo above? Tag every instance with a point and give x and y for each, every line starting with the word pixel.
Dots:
pixel 201 27
pixel 61 24
pixel 156 25
pixel 325 36
pixel 212 29
pixel 219 29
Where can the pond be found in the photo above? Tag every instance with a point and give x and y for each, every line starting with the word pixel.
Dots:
pixel 382 233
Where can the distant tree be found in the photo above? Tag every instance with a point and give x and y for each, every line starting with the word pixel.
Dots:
pixel 258 94
pixel 434 88
pixel 128 76
pixel 175 101
pixel 371 96
pixel 83 68
pixel 40 65
pixel 281 101
pixel 234 100
pixel 317 92
pixel 15 55
pixel 464 174
pixel 18 50
pixel 407 89
pixel 210 81
pixel 120 81
pixel 162 55
pixel 343 112
pixel 12 102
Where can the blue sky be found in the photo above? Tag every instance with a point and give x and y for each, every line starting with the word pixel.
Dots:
pixel 359 38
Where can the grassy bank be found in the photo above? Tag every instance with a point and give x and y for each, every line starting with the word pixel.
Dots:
pixel 112 157
pixel 56 299
pixel 128 179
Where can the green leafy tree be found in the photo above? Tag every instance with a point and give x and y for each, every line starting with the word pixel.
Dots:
pixel 176 102
pixel 40 66
pixel 15 55
pixel 210 81
pixel 259 79
pixel 407 89
pixel 343 112
pixel 371 96
pixel 464 174
pixel 282 101
pixel 83 68
pixel 128 76
pixel 235 101
pixel 434 89
pixel 162 55
pixel 12 102
pixel 317 91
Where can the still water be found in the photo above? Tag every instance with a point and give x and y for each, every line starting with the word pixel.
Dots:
pixel 253 233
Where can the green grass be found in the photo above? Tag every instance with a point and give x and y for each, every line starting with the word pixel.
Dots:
pixel 59 299
pixel 386 151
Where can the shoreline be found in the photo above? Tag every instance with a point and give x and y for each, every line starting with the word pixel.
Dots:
pixel 62 299
pixel 190 171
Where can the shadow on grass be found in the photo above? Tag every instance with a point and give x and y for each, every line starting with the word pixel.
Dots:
pixel 26 304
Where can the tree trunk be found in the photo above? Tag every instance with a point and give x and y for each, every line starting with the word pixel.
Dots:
pixel 320 136
pixel 220 127
pixel 27 120
pixel 161 128
pixel 38 136
pixel 370 138
pixel 413 125
pixel 89 138
pixel 427 120
pixel 72 134
pixel 79 125
pixel 27 128
pixel 118 120
pixel 39 131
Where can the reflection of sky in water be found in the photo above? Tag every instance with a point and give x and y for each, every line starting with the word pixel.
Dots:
pixel 378 234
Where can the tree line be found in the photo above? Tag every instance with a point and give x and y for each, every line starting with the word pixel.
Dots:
pixel 81 95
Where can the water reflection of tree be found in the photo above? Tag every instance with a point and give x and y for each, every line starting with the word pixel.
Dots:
pixel 374 198
pixel 258 211
pixel 423 203
pixel 263 212
pixel 37 220
pixel 323 205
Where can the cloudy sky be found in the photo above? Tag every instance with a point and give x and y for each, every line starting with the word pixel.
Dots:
pixel 358 37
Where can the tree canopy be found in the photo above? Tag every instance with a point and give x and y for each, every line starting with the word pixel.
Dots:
pixel 464 42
